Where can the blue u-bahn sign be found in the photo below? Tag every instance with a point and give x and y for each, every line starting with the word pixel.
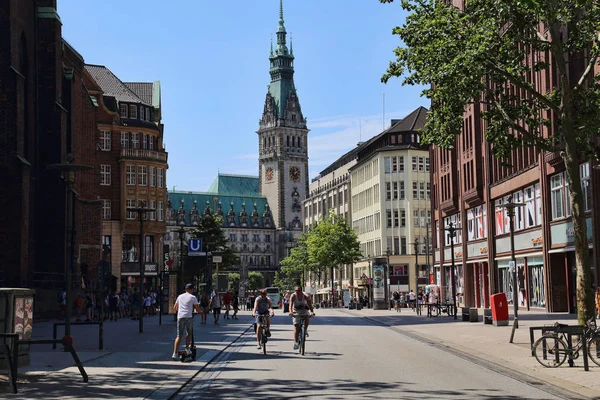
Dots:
pixel 195 247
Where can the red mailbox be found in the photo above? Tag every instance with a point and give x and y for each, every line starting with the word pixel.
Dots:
pixel 499 309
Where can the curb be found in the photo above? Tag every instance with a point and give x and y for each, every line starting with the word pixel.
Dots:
pixel 567 390
pixel 210 360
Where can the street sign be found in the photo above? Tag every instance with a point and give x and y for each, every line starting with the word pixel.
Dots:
pixel 217 259
pixel 195 247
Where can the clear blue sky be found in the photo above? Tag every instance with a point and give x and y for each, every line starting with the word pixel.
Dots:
pixel 211 57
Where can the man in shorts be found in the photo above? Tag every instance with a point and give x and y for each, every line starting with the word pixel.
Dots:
pixel 263 307
pixel 215 304
pixel 184 306
pixel 300 304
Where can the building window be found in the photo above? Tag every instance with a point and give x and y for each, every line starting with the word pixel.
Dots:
pixel 232 237
pixel 388 190
pixel 105 175
pixel 584 171
pixel 123 108
pixel 152 176
pixel 124 140
pixel 401 163
pixel 389 218
pixel 387 162
pixel 244 237
pixel 142 175
pixel 422 190
pixel 394 164
pixel 144 140
pixel 421 164
pixel 105 209
pixel 133 112
pixel 557 195
pixel 415 190
pixel 256 238
pixel 151 142
pixel 130 214
pixel 267 238
pixel 130 175
pixel 402 190
pixel 395 218
pixel 105 140
pixel 152 214
pixel 403 246
pixel 395 192
pixel 402 217
pixel 161 178
pixel 414 163
pixel 147 114
pixel 416 217
pixel 135 140
pixel 160 211
pixel 427 164
pixel 149 249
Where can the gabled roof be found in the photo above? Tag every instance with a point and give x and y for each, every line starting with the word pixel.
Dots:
pixel 113 86
pixel 236 185
pixel 412 122
pixel 142 89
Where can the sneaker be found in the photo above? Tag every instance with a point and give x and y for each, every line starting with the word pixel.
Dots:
pixel 188 352
pixel 268 333
pixel 174 357
pixel 258 346
pixel 295 346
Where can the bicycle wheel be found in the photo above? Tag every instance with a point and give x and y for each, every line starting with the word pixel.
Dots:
pixel 303 342
pixel 593 346
pixel 264 340
pixel 550 351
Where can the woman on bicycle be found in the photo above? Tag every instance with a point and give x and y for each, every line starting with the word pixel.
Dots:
pixel 300 304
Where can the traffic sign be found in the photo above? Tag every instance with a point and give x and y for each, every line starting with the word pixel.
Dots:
pixel 217 259
pixel 195 247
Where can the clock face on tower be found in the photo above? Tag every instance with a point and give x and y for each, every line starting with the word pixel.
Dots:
pixel 295 174
pixel 269 174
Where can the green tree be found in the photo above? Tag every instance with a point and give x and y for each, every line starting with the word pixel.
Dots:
pixel 484 56
pixel 210 230
pixel 255 280
pixel 295 266
pixel 332 243
pixel 234 281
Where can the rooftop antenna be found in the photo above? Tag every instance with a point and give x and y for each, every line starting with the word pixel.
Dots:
pixel 383 118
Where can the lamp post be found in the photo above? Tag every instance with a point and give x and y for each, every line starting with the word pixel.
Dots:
pixel 510 211
pixel 181 232
pixel 68 170
pixel 387 253
pixel 370 287
pixel 451 229
pixel 416 245
pixel 427 252
pixel 141 212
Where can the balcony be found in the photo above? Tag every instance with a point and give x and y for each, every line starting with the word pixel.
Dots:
pixel 145 154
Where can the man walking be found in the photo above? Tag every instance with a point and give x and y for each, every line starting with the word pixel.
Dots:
pixel 184 306
pixel 215 304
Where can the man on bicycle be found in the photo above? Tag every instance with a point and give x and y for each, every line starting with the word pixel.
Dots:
pixel 300 303
pixel 397 301
pixel 263 308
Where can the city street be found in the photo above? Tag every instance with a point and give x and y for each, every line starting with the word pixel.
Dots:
pixel 349 356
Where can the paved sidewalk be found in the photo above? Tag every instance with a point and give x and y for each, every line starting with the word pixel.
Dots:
pixel 491 344
pixel 132 365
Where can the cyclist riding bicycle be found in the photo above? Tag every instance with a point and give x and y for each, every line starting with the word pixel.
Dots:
pixel 397 301
pixel 263 307
pixel 300 304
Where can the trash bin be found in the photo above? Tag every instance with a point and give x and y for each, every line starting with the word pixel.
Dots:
pixel 499 309
pixel 16 316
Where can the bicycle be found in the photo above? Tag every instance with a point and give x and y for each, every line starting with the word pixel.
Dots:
pixel 301 338
pixel 262 320
pixel 554 344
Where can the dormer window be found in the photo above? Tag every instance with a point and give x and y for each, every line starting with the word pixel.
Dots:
pixel 147 114
pixel 133 112
pixel 123 108
pixel 294 117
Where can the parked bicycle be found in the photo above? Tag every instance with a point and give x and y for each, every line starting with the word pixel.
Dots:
pixel 551 349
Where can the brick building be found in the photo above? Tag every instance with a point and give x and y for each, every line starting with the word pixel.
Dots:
pixel 132 166
pixel 46 118
pixel 469 186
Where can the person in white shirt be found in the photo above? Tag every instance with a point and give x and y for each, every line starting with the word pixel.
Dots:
pixel 184 306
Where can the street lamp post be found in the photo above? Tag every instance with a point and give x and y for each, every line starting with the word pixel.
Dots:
pixel 510 211
pixel 416 245
pixel 387 274
pixel 68 170
pixel 141 212
pixel 181 232
pixel 451 229
pixel 370 287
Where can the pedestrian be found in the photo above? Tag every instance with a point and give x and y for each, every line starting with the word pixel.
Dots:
pixel 227 304
pixel 411 299
pixel 134 304
pixel 286 302
pixel 121 305
pixel 113 303
pixel 236 305
pixel 62 301
pixel 215 305
pixel 204 306
pixel 184 306
pixel 89 304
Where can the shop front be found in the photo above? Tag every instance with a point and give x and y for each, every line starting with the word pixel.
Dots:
pixel 478 266
pixel 130 276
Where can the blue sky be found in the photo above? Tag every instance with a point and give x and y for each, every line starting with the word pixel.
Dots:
pixel 211 57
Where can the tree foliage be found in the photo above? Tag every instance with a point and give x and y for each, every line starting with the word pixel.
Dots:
pixel 491 55
pixel 234 281
pixel 256 280
pixel 210 230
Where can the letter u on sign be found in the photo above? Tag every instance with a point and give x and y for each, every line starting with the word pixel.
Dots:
pixel 195 245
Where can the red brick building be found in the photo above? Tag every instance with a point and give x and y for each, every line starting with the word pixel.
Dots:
pixel 469 186
pixel 46 118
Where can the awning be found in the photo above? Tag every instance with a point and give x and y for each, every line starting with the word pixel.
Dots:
pixel 324 291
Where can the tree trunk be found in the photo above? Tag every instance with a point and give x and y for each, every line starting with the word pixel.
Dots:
pixel 571 157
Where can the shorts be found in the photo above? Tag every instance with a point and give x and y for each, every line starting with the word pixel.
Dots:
pixel 217 311
pixel 259 316
pixel 204 309
pixel 184 324
pixel 298 317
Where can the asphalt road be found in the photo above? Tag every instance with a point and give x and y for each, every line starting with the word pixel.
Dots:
pixel 350 357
